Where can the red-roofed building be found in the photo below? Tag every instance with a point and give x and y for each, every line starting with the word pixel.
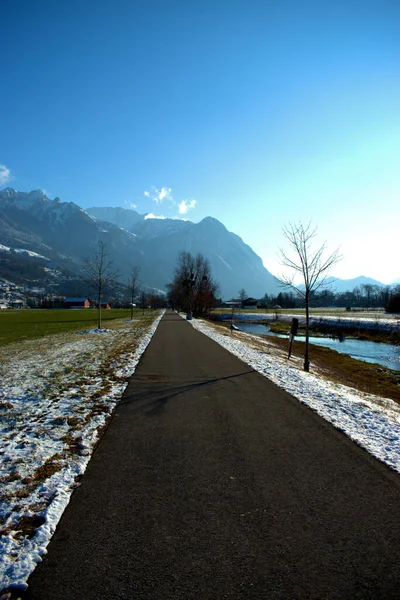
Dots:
pixel 77 303
pixel 105 305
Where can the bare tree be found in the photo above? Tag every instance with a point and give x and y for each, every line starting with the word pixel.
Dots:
pixel 144 301
pixel 134 285
pixel 308 263
pixel 100 273
pixel 193 289
pixel 242 296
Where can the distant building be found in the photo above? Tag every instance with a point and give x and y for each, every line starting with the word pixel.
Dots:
pixel 105 305
pixel 250 303
pixel 17 303
pixel 230 304
pixel 77 303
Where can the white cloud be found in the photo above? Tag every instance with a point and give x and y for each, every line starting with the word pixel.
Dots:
pixel 184 206
pixel 165 193
pixel 151 216
pixel 5 175
pixel 159 195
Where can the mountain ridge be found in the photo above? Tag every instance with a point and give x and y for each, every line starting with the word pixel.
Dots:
pixel 70 234
pixel 66 234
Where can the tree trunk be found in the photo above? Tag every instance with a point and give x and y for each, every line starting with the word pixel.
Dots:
pixel 306 360
pixel 99 309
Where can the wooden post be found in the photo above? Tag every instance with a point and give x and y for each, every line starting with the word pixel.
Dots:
pixel 290 345
pixel 293 331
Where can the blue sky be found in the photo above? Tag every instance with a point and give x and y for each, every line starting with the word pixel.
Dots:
pixel 257 113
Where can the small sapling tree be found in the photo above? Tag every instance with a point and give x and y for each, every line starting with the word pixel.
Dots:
pixel 100 273
pixel 134 285
pixel 309 264
pixel 242 296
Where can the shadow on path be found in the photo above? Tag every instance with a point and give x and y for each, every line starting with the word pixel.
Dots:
pixel 163 390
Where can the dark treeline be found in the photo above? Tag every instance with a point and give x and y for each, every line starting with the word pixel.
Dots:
pixel 365 296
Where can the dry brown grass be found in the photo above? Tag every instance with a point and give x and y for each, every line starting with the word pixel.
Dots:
pixel 74 443
pixel 51 466
pixel 27 526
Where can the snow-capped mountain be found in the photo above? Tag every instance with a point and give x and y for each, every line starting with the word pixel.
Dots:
pixel 122 217
pixel 348 285
pixel 66 234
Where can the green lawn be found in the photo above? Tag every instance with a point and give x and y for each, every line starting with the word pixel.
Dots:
pixel 20 324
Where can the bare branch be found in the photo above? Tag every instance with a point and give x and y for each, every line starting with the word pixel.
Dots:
pixel 287 282
pixel 100 273
pixel 310 263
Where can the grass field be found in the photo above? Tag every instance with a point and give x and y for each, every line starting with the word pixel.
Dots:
pixel 18 325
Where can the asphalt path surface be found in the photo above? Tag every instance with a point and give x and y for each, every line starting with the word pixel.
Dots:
pixel 213 483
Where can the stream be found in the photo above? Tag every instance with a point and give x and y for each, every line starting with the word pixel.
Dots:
pixel 386 355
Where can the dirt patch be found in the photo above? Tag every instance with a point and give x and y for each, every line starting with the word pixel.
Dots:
pixel 51 466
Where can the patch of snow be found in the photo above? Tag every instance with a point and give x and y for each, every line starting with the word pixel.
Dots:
pixel 95 331
pixel 29 253
pixel 224 261
pixel 370 421
pixel 54 400
pixel 86 213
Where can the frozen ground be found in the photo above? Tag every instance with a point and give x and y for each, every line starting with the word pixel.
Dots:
pixel 372 422
pixel 56 394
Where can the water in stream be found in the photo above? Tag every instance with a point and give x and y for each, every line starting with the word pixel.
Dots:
pixel 386 355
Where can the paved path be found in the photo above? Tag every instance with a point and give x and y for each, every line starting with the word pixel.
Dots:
pixel 211 483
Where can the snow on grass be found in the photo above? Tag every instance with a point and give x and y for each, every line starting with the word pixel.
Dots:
pixel 372 422
pixel 56 394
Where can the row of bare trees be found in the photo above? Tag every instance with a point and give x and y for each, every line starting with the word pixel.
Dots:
pixel 101 274
pixel 193 289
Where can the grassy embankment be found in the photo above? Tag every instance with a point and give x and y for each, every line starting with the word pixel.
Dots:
pixel 356 332
pixel 21 324
pixel 341 368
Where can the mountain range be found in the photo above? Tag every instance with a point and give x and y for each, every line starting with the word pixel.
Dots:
pixel 45 241
pixel 63 235
pixel 339 286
